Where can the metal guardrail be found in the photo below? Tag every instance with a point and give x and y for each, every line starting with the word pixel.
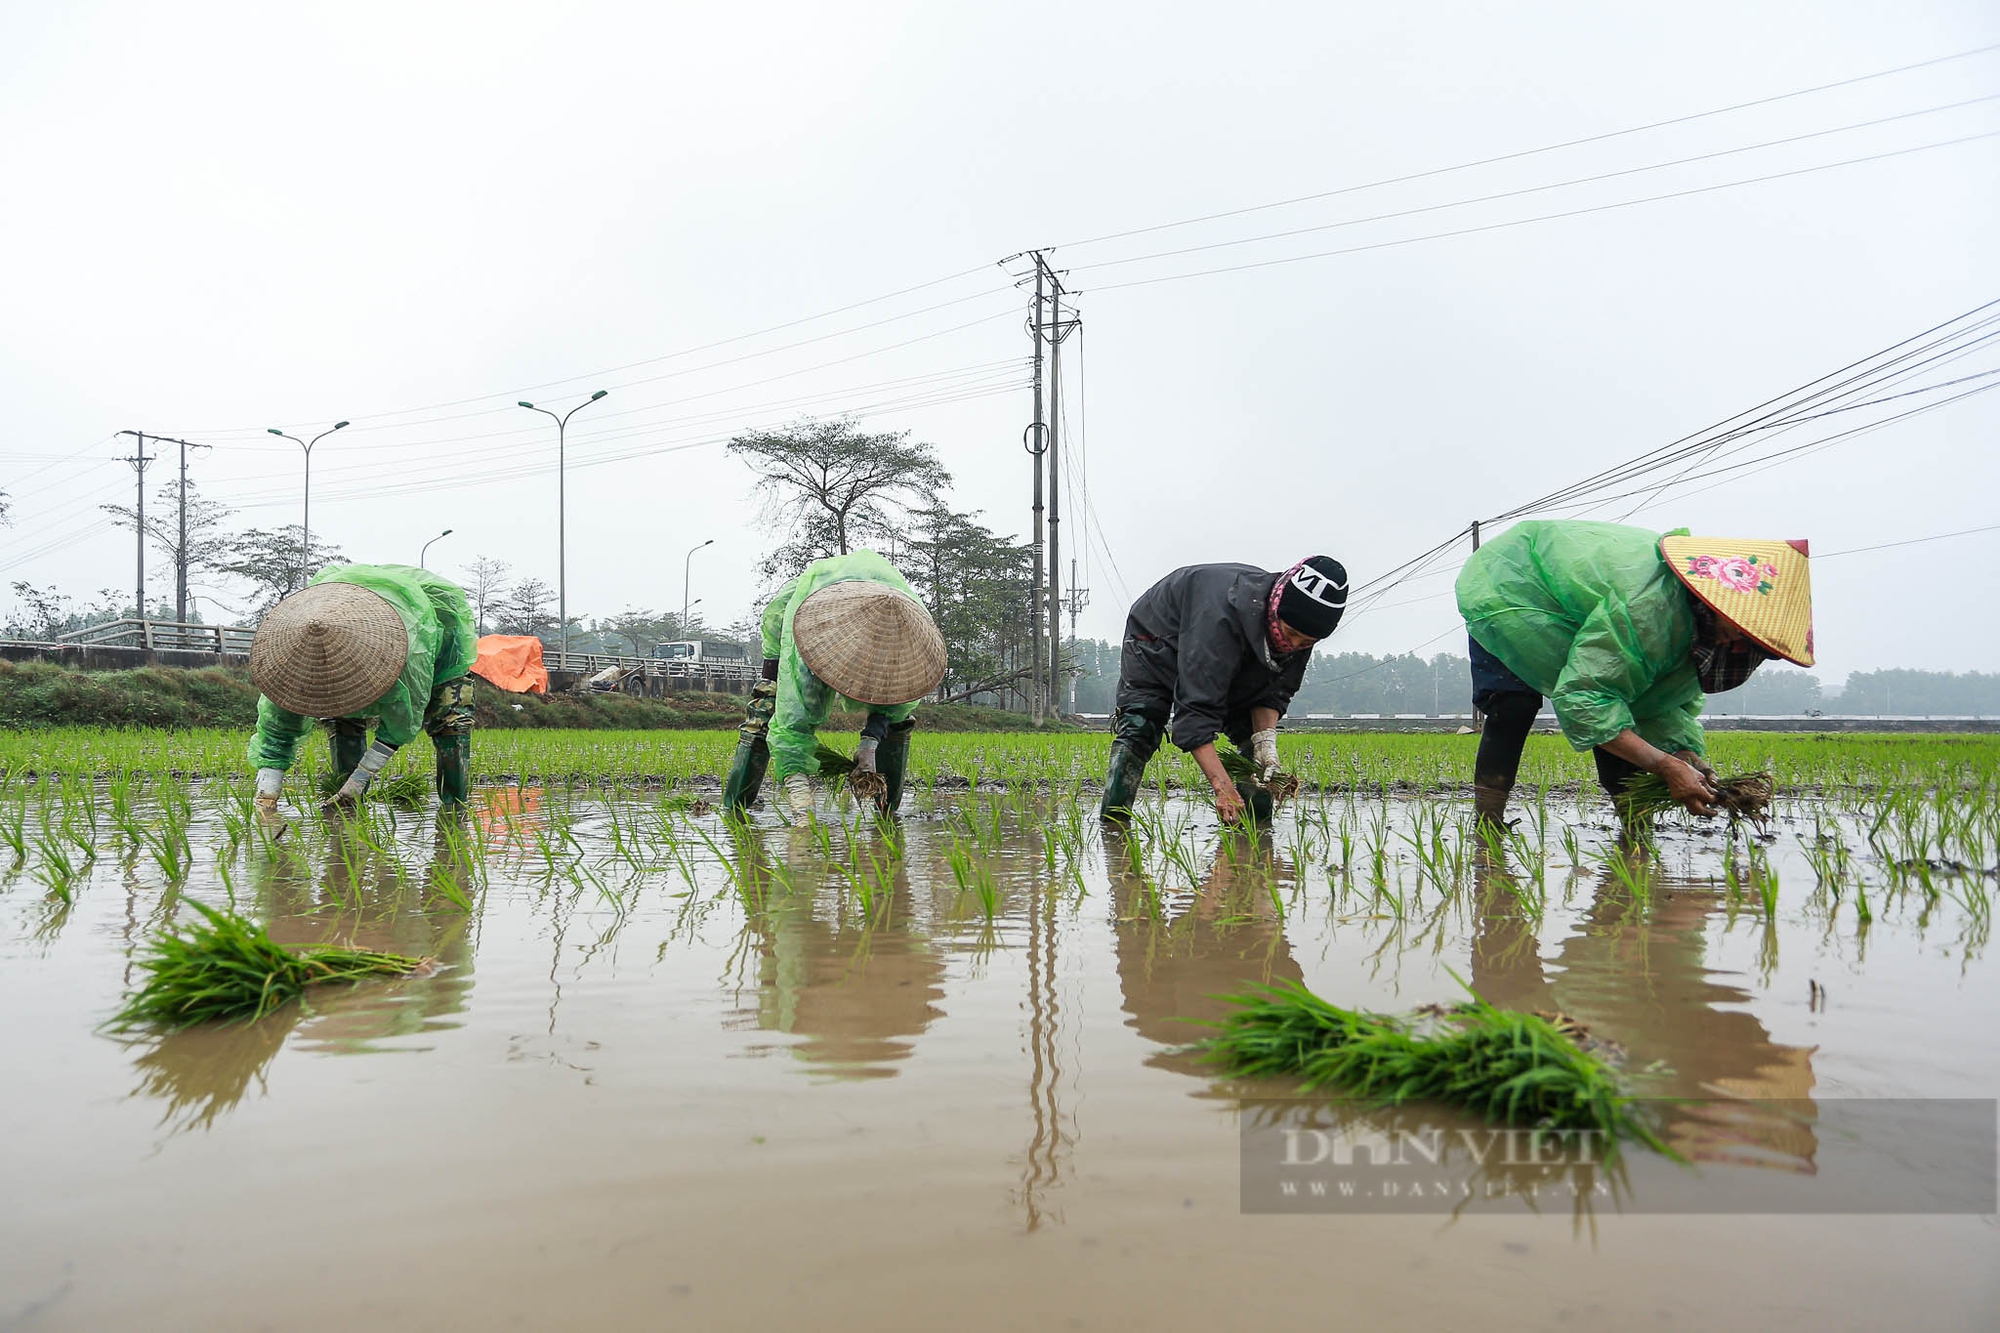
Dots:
pixel 163 636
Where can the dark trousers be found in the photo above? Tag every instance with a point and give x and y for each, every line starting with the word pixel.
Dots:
pixel 1510 705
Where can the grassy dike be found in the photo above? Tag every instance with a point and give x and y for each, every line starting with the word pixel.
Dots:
pixel 45 694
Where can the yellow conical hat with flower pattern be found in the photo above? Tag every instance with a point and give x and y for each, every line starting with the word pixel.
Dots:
pixel 1760 586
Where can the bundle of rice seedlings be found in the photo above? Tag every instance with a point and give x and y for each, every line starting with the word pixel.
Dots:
pixel 223 968
pixel 862 786
pixel 1747 796
pixel 1282 786
pixel 1513 1067
pixel 404 789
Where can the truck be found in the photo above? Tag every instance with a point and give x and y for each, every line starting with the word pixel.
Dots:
pixel 699 650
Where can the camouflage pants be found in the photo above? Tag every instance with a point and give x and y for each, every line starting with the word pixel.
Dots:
pixel 447 721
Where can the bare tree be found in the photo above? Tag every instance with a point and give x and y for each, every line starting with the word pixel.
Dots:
pixel 272 563
pixel 828 487
pixel 526 608
pixel 486 586
pixel 205 547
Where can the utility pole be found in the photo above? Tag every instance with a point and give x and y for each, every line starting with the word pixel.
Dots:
pixel 1056 331
pixel 1037 442
pixel 181 544
pixel 139 460
pixel 1478 718
pixel 1079 597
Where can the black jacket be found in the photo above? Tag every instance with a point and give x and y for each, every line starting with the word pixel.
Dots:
pixel 1211 619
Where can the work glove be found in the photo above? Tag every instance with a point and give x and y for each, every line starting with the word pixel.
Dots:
pixel 797 794
pixel 270 784
pixel 864 754
pixel 357 784
pixel 1264 751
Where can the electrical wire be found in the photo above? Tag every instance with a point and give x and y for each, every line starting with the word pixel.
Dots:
pixel 1544 217
pixel 1913 541
pixel 1533 152
pixel 1530 189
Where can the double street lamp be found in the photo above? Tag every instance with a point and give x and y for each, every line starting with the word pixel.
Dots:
pixel 562 539
pixel 306 522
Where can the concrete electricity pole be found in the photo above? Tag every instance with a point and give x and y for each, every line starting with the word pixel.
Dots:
pixel 181 543
pixel 1056 331
pixel 139 460
pixel 1037 442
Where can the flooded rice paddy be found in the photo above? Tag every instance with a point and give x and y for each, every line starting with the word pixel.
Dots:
pixel 935 1074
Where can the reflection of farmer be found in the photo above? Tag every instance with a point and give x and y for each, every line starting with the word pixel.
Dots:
pixel 382 641
pixel 1222 650
pixel 857 989
pixel 1622 630
pixel 1172 975
pixel 1650 984
pixel 848 626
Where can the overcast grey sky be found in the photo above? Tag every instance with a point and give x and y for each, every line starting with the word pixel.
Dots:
pixel 228 217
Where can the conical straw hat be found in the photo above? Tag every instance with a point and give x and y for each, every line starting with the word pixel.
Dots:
pixel 1762 587
pixel 871 642
pixel 329 651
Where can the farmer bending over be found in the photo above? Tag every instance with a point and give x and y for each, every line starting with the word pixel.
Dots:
pixel 1221 650
pixel 365 641
pixel 847 627
pixel 1625 632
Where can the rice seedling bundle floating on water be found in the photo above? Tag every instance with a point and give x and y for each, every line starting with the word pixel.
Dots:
pixel 1518 1068
pixel 224 968
pixel 1747 796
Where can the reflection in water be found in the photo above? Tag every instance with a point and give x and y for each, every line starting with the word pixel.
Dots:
pixel 1054 1134
pixel 1642 979
pixel 855 984
pixel 365 898
pixel 1174 963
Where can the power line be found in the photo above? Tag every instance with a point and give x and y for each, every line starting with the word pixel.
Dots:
pixel 686 351
pixel 1544 217
pixel 1914 541
pixel 1533 152
pixel 1534 189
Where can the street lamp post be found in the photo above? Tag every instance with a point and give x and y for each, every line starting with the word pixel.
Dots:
pixel 687 569
pixel 427 547
pixel 562 535
pixel 306 522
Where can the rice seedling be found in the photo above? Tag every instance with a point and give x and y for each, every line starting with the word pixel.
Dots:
pixel 14 826
pixel 1526 1069
pixel 226 968
pixel 1747 796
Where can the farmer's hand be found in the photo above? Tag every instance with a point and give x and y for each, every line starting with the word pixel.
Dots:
pixel 1264 751
pixel 1228 802
pixel 345 801
pixel 1688 785
pixel 1696 762
pixel 270 783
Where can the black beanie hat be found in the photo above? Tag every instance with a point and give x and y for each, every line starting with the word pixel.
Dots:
pixel 1315 593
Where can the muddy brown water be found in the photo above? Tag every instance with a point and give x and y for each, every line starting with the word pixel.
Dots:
pixel 633 1099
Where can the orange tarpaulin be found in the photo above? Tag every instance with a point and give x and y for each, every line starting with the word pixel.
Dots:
pixel 513 662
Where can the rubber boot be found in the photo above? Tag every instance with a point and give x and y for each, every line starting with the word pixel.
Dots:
pixel 1121 783
pixel 746 775
pixel 1489 802
pixel 1258 805
pixel 349 742
pixel 454 767
pixel 891 758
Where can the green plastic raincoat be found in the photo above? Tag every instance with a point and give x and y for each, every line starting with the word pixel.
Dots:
pixel 1589 615
pixel 804 700
pixel 443 647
